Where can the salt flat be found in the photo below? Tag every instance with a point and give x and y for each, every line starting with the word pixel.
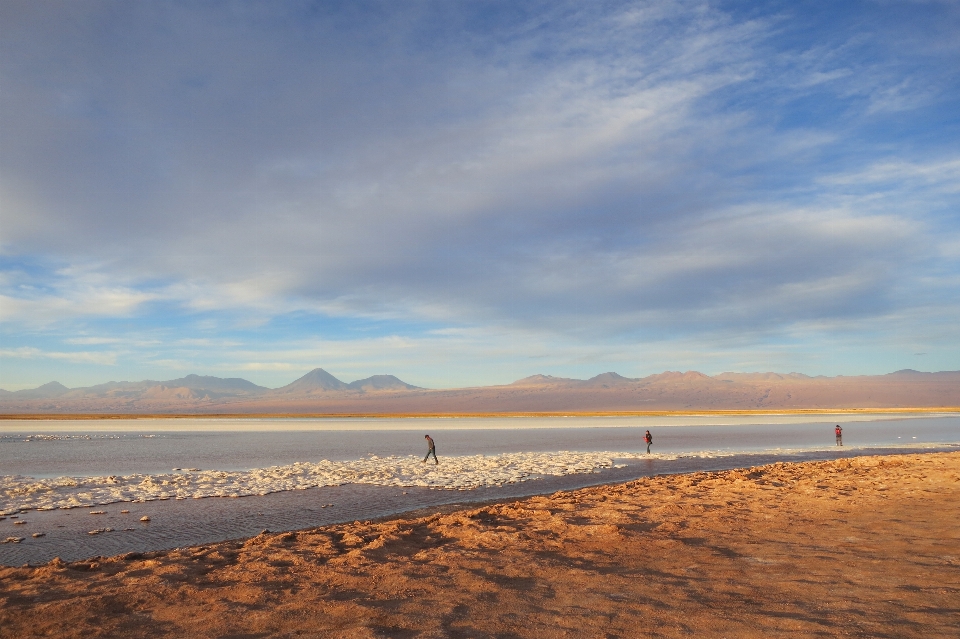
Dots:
pixel 154 424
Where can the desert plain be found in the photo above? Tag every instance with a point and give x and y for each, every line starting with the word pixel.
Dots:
pixel 861 547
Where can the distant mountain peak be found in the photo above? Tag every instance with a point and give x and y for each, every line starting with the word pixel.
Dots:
pixel 209 382
pixel 53 386
pixel 677 375
pixel 381 382
pixel 49 390
pixel 541 380
pixel 608 379
pixel 316 380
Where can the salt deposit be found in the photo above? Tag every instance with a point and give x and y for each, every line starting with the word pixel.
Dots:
pixel 19 492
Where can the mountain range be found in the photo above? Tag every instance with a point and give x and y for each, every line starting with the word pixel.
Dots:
pixel 319 392
pixel 208 387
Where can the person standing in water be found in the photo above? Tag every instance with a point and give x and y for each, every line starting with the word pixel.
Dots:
pixel 649 439
pixel 431 449
pixel 839 433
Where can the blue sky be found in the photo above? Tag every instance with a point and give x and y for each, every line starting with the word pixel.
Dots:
pixel 466 193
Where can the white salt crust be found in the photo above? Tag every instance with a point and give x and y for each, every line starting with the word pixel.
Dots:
pixel 19 493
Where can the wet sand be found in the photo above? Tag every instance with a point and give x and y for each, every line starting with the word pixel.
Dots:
pixel 868 546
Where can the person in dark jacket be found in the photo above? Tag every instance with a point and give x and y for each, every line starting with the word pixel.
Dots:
pixel 649 439
pixel 431 449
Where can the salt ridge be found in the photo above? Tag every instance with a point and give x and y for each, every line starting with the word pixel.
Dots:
pixel 18 492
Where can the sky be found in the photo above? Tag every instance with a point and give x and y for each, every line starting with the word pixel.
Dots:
pixel 467 193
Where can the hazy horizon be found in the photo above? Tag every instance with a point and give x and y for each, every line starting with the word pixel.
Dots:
pixel 501 383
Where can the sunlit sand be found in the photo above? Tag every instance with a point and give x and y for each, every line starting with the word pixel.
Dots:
pixel 866 546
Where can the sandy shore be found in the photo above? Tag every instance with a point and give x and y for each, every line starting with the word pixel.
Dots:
pixel 861 547
pixel 90 416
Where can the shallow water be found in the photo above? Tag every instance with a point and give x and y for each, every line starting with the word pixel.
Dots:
pixel 485 454
pixel 115 447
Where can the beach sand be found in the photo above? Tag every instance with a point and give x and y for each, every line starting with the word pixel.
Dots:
pixel 867 546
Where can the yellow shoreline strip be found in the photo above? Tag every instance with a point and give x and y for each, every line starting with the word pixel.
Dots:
pixel 438 415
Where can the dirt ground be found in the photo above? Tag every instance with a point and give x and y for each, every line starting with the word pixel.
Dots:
pixel 864 547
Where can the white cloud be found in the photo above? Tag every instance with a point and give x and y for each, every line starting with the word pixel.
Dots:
pixel 69 293
pixel 263 366
pixel 93 340
pixel 24 352
pixel 943 175
pixel 75 357
pixel 585 173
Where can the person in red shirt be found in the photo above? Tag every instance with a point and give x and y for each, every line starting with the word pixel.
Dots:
pixel 431 449
pixel 649 439
pixel 839 433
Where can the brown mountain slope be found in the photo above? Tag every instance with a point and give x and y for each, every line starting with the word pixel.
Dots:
pixel 606 392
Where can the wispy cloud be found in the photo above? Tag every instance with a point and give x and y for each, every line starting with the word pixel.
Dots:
pixel 48 308
pixel 943 175
pixel 77 357
pixel 619 176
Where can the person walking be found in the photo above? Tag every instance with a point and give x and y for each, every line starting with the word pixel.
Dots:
pixel 649 439
pixel 839 433
pixel 431 449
